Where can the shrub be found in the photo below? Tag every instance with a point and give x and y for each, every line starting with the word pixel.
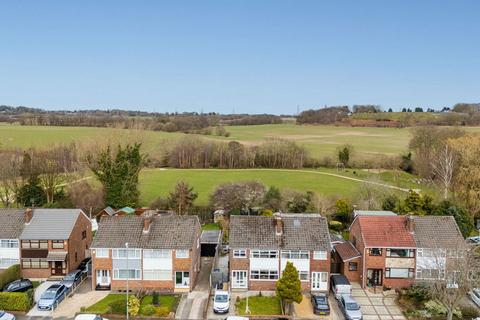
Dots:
pixel 419 293
pixel 9 275
pixel 162 311
pixel 335 225
pixel 133 305
pixel 437 308
pixel 156 299
pixel 118 306
pixel 16 301
pixel 148 310
pixel 470 312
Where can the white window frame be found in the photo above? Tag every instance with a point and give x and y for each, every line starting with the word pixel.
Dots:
pixel 263 254
pixel 9 243
pixel 156 254
pixel 132 253
pixel 116 274
pixel 240 253
pixel 272 275
pixel 102 253
pixel 304 276
pixel 182 254
pixel 157 274
pixel 320 255
pixel 296 254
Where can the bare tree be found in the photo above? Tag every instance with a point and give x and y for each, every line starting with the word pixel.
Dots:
pixel 443 167
pixel 84 196
pixel 11 163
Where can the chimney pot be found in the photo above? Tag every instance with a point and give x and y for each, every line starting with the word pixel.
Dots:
pixel 146 224
pixel 410 224
pixel 278 224
pixel 28 215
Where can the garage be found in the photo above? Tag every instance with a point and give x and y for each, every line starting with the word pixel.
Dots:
pixel 209 241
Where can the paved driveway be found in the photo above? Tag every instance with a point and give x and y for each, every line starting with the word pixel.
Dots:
pixel 377 306
pixel 34 312
pixel 304 310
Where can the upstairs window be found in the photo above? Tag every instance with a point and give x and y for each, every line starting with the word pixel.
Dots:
pixel 240 253
pixel 264 254
pixel 182 254
pixel 57 244
pixel 375 251
pixel 320 255
pixel 400 253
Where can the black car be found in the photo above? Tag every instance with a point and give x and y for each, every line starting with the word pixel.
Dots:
pixel 72 278
pixel 20 285
pixel 83 265
pixel 320 304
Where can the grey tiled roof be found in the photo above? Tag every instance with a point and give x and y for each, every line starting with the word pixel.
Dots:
pixel 51 224
pixel 11 223
pixel 436 232
pixel 166 232
pixel 300 232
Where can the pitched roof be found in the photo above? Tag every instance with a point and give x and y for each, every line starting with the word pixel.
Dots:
pixel 127 210
pixel 373 213
pixel 109 211
pixel 436 232
pixel 300 232
pixel 166 232
pixel 385 231
pixel 11 222
pixel 51 224
pixel 347 251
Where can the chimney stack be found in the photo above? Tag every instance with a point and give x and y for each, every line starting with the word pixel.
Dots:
pixel 410 224
pixel 28 215
pixel 278 224
pixel 146 224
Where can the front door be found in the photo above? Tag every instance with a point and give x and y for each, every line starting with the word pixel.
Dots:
pixel 239 279
pixel 182 279
pixel 58 268
pixel 103 278
pixel 319 281
pixel 374 277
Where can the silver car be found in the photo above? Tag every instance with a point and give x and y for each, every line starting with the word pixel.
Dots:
pixel 475 296
pixel 350 308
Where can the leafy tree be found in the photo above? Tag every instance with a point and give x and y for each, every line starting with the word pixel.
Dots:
pixel 289 288
pixel 118 172
pixel 31 193
pixel 390 110
pixel 463 218
pixel 344 153
pixel 298 202
pixel 273 199
pixel 181 199
pixel 133 305
pixel 390 202
pixel 344 210
pixel 418 109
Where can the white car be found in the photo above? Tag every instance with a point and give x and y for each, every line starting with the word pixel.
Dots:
pixel 475 296
pixel 88 316
pixel 221 301
pixel 6 316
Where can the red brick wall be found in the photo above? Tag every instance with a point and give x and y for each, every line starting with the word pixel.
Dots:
pixel 352 276
pixel 76 243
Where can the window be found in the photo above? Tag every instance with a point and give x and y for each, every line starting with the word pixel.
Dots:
pixel 265 254
pixel 122 253
pixel 401 253
pixel 352 266
pixel 320 255
pixel 182 254
pixel 430 274
pixel 152 254
pixel 34 244
pixel 34 263
pixel 101 253
pixel 295 254
pixel 126 273
pixel 7 262
pixel 401 273
pixel 10 243
pixel 76 257
pixel 57 244
pixel 157 275
pixel 375 251
pixel 239 253
pixel 303 275
pixel 264 274
pixel 84 234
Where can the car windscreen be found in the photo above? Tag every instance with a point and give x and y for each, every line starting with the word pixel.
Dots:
pixel 352 306
pixel 69 277
pixel 321 300
pixel 49 294
pixel 221 298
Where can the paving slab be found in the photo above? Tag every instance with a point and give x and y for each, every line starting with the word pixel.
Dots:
pixel 358 293
pixel 368 310
pixel 363 301
pixel 394 310
pixel 381 310
pixel 398 317
pixel 371 317
pixel 389 302
pixel 377 301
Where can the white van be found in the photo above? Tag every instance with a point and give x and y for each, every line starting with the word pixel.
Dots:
pixel 221 301
pixel 340 285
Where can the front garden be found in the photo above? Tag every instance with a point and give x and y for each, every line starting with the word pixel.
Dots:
pixel 259 305
pixel 149 305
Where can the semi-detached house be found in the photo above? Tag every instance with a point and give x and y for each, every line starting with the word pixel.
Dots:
pixel 154 252
pixel 11 226
pixel 260 248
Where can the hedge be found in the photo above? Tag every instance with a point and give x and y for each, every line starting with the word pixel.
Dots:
pixel 9 275
pixel 16 301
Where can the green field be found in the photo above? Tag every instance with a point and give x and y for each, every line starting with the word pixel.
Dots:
pixel 158 182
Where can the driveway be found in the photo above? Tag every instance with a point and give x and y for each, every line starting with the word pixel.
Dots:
pixel 34 312
pixel 377 306
pixel 304 309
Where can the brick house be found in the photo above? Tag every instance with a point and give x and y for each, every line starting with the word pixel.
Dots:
pixel 11 222
pixel 53 242
pixel 163 253
pixel 260 248
pixel 347 259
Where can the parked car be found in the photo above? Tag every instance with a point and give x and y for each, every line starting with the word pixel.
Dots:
pixel 474 240
pixel 236 318
pixel 72 278
pixel 350 308
pixel 6 316
pixel 88 316
pixel 320 304
pixel 475 296
pixel 84 265
pixel 340 285
pixel 20 285
pixel 221 301
pixel 54 294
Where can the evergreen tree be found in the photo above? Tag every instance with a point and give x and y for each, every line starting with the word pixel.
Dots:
pixel 289 288
pixel 182 198
pixel 273 199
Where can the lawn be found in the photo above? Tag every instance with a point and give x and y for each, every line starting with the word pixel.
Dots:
pixel 259 306
pixel 103 306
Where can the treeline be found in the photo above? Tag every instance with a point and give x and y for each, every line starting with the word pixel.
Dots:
pixel 194 152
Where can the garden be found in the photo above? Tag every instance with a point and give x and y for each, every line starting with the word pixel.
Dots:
pixel 259 305
pixel 142 305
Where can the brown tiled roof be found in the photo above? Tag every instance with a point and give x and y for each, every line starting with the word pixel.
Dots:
pixel 300 232
pixel 11 223
pixel 436 232
pixel 166 232
pixel 385 231
pixel 347 251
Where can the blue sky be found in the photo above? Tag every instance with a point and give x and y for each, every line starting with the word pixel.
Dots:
pixel 247 56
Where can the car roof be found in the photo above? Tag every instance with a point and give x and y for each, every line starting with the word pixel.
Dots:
pixel 339 279
pixel 55 286
pixel 348 298
pixel 85 316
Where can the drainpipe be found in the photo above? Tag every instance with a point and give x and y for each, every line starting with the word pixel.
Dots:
pixel 363 269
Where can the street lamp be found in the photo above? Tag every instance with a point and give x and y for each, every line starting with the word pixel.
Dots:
pixel 128 274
